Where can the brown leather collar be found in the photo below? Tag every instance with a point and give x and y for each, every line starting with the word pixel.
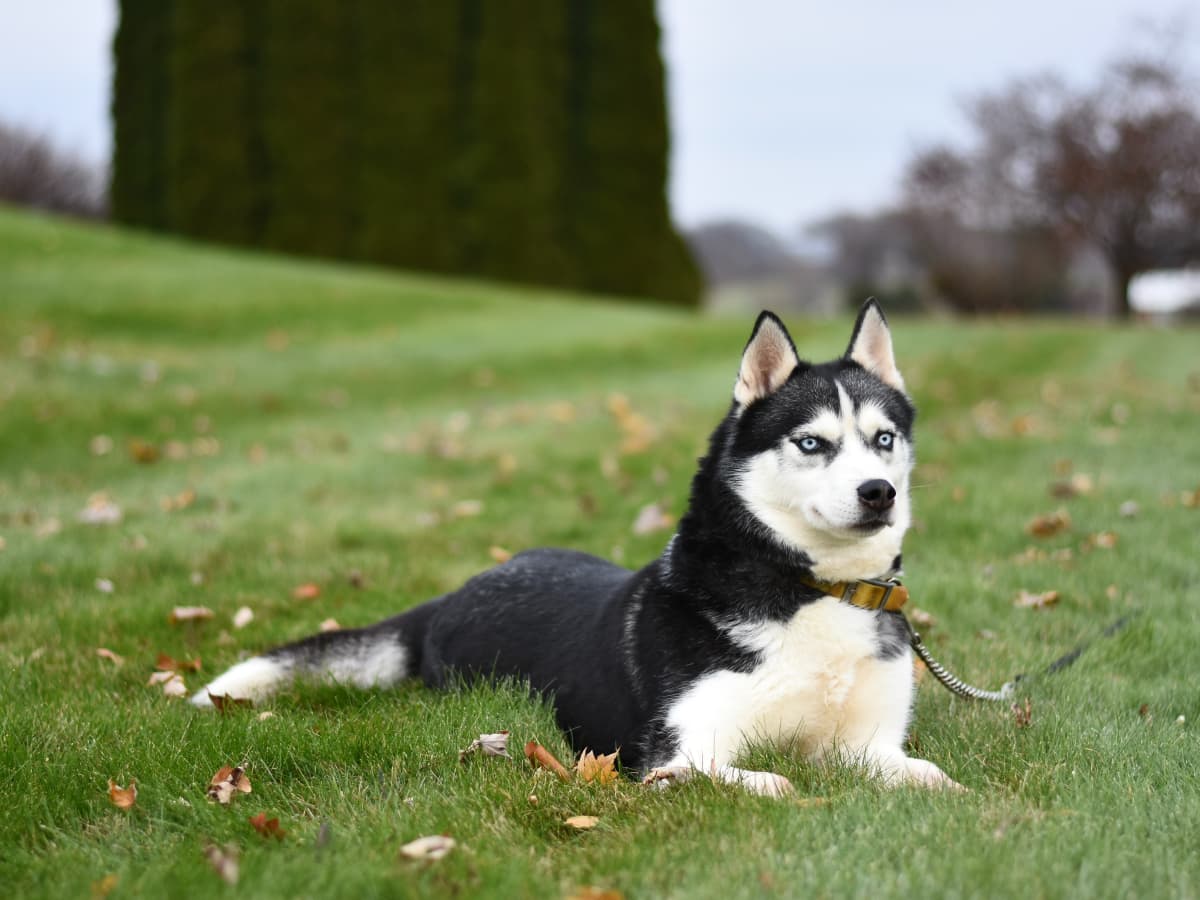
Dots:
pixel 867 593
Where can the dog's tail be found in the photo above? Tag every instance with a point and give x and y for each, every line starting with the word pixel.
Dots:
pixel 379 655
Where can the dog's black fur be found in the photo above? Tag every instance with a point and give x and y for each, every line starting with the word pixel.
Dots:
pixel 615 647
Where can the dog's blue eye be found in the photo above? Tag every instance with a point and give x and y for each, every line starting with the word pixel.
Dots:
pixel 884 440
pixel 809 444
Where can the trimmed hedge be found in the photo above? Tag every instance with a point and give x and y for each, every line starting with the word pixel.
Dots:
pixel 524 140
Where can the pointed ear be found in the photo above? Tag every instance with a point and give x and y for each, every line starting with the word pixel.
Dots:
pixel 768 360
pixel 871 345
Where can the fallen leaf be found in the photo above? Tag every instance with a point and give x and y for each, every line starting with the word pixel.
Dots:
pixel 243 617
pixel 330 625
pixel 487 744
pixel 167 663
pixel 1023 715
pixel 1026 600
pixel 921 618
pixel 182 500
pixel 356 579
pixel 104 585
pixel 228 781
pixel 100 510
pixel 100 445
pixel 104 886
pixel 581 822
pixel 499 554
pixel 120 797
pixel 432 847
pixel 307 591
pixel 224 861
pixel 601 769
pixel 267 827
pixel 466 509
pixel 1078 485
pixel 189 614
pixel 48 527
pixel 1049 524
pixel 1105 540
pixel 652 518
pixel 543 758
pixel 224 702
pixel 1190 499
pixel 172 683
pixel 266 714
pixel 1144 712
pixel 105 653
pixel 143 451
pixel 1128 509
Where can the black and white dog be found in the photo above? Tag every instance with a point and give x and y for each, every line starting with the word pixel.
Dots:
pixel 740 631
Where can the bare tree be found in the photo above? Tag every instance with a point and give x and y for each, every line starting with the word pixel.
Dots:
pixel 34 173
pixel 1114 165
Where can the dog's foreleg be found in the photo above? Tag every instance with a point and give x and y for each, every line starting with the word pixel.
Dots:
pixel 679 770
pixel 875 724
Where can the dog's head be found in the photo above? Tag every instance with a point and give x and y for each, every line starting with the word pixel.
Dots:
pixel 820 455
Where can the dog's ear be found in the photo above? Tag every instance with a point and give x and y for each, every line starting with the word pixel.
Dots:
pixel 871 345
pixel 768 360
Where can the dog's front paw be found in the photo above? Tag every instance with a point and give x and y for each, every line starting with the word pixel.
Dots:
pixel 765 784
pixel 665 776
pixel 923 773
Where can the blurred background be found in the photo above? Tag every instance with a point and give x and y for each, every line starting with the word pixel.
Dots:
pixel 1015 158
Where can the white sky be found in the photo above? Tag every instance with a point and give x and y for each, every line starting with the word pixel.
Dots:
pixel 782 110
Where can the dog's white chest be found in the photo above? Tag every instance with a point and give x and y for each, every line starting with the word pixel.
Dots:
pixel 818 683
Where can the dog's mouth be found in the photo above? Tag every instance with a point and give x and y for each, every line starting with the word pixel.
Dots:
pixel 867 524
pixel 871 524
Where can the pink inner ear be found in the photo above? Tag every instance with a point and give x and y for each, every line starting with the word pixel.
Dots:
pixel 766 365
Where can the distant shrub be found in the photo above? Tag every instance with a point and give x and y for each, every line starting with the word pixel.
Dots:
pixel 34 173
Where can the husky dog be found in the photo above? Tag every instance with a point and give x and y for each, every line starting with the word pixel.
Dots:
pixel 741 631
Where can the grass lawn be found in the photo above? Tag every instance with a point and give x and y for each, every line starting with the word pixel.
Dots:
pixel 377 435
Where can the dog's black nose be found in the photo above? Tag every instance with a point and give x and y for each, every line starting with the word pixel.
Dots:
pixel 877 494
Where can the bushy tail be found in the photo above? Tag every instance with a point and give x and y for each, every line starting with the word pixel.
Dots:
pixel 377 656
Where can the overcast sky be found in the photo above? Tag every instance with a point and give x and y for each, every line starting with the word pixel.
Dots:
pixel 782 110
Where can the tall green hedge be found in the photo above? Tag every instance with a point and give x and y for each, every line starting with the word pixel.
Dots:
pixel 524 140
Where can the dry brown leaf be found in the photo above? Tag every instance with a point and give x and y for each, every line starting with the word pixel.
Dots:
pixel 228 781
pixel 224 861
pixel 488 745
pixel 189 614
pixel 143 451
pixel 166 663
pixel 100 445
pixel 1190 499
pixel 1026 600
pixel 601 769
pixel 243 617
pixel 650 518
pixel 105 886
pixel 466 509
pixel 430 847
pixel 105 653
pixel 266 714
pixel 581 822
pixel 120 797
pixel 224 703
pixel 182 500
pixel 330 625
pixel 1049 524
pixel 1023 715
pixel 104 585
pixel 267 827
pixel 100 510
pixel 356 579
pixel 306 591
pixel 172 683
pixel 499 554
pixel 1105 540
pixel 921 618
pixel 543 758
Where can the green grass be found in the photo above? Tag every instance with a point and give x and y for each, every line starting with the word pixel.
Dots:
pixel 352 409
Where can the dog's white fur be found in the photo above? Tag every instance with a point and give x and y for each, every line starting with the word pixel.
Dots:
pixel 820 687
